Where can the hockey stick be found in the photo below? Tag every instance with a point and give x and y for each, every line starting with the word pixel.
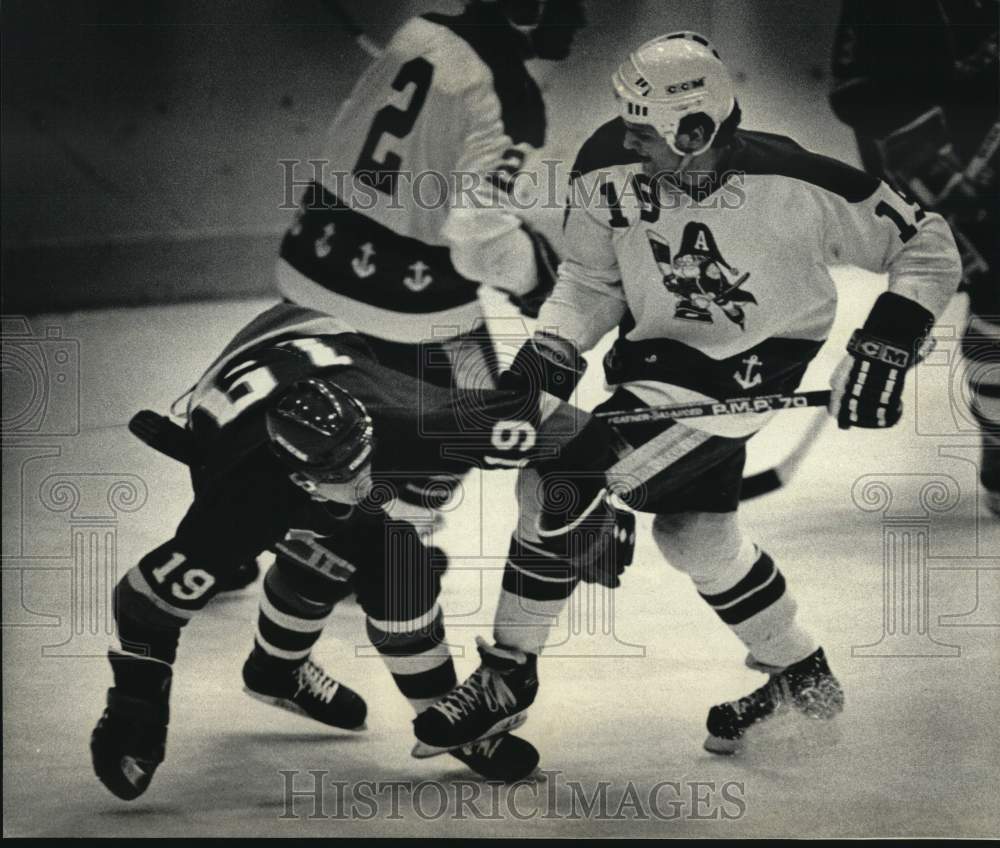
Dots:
pixel 979 160
pixel 732 406
pixel 774 478
pixel 353 28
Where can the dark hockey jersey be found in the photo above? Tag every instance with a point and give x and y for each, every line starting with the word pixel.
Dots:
pixel 413 212
pixel 289 343
pixel 728 293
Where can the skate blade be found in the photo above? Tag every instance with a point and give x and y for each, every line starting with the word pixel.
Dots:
pixel 423 751
pixel 790 736
pixel 292 707
pixel 722 747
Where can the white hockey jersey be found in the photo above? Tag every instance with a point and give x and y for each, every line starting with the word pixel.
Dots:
pixel 728 293
pixel 412 214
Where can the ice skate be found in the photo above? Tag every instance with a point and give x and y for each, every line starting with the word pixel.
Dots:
pixel 807 687
pixel 493 700
pixel 305 690
pixel 130 738
pixel 504 757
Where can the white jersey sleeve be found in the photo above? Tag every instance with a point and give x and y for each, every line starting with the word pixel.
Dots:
pixel 588 300
pixel 887 234
pixel 485 237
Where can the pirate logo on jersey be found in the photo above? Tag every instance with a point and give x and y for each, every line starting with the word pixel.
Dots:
pixel 698 277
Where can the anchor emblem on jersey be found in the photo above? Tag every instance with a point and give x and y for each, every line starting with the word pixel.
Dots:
pixel 748 378
pixel 418 280
pixel 363 265
pixel 322 245
pixel 699 278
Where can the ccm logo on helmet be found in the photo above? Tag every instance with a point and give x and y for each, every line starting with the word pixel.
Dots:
pixel 690 85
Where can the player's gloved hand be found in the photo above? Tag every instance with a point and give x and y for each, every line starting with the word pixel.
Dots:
pixel 545 363
pixel 868 384
pixel 596 536
pixel 546 270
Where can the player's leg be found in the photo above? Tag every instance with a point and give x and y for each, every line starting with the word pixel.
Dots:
pixel 399 588
pixel 698 532
pixel 152 603
pixel 299 594
pixel 535 589
pixel 537 584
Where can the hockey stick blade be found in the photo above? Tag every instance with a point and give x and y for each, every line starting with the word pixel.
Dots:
pixel 163 435
pixel 732 406
pixel 773 479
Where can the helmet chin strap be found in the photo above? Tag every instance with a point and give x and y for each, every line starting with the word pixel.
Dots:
pixel 686 159
pixel 687 155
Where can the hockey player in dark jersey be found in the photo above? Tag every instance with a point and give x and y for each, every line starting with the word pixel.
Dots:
pixel 292 428
pixel 919 82
pixel 673 168
pixel 449 104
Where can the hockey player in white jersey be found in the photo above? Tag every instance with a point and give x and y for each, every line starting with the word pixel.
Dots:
pixel 707 247
pixel 413 211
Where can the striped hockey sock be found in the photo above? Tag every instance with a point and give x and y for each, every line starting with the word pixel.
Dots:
pixel 760 611
pixel 294 608
pixel 416 655
pixel 536 587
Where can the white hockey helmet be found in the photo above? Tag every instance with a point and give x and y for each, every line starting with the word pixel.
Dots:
pixel 670 77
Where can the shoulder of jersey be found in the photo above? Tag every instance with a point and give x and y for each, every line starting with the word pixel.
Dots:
pixel 767 154
pixel 605 148
pixel 469 57
pixel 456 65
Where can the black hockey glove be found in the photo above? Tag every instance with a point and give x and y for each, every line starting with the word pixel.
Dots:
pixel 868 384
pixel 596 538
pixel 546 270
pixel 545 363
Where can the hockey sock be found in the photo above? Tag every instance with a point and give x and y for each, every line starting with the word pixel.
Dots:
pixel 536 587
pixel 144 627
pixel 295 606
pixel 416 655
pixel 761 612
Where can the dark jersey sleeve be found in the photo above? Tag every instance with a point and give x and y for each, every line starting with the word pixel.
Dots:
pixel 488 427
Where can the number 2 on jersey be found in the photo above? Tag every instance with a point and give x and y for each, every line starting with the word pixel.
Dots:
pixel 391 120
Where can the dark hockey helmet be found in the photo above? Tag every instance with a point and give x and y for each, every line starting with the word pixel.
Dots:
pixel 319 429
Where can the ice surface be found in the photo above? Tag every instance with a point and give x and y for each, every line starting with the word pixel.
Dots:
pixel 624 690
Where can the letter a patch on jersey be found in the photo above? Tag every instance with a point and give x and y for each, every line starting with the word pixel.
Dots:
pixel 699 278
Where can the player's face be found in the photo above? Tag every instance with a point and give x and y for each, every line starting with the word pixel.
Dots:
pixel 645 140
pixel 651 146
pixel 346 492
